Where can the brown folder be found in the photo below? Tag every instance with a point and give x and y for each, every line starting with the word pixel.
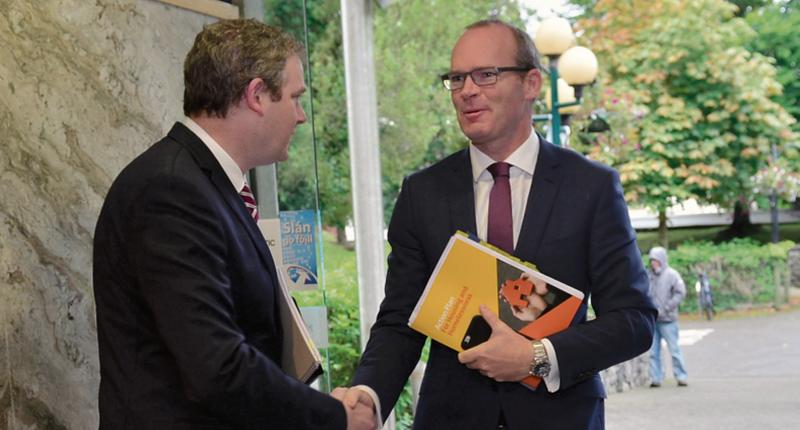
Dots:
pixel 301 358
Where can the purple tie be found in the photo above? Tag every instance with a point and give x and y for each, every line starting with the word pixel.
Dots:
pixel 501 225
pixel 249 201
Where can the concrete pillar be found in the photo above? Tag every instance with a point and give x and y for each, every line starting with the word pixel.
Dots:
pixel 365 166
pixel 365 170
pixel 264 182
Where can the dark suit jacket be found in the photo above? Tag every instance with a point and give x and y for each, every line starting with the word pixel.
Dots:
pixel 576 229
pixel 186 293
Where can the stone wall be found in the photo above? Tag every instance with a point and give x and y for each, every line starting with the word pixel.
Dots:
pixel 84 87
pixel 629 374
pixel 793 261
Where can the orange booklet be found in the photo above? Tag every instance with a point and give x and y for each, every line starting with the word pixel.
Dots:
pixel 470 273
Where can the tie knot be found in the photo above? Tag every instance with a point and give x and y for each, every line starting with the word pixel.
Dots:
pixel 499 169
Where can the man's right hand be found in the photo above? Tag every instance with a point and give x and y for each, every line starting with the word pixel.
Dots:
pixel 359 407
pixel 360 417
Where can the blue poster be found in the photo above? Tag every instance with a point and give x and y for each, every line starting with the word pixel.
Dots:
pixel 299 245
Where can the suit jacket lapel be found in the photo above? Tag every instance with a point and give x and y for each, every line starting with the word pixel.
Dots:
pixel 207 162
pixel 462 196
pixel 546 180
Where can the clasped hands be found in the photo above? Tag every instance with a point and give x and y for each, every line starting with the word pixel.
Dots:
pixel 505 357
pixel 359 407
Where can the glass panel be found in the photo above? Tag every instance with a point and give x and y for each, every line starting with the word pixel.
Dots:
pixel 300 218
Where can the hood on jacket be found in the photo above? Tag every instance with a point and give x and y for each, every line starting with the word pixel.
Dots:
pixel 659 254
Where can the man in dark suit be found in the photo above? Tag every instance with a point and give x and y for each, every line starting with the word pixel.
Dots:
pixel 566 214
pixel 186 290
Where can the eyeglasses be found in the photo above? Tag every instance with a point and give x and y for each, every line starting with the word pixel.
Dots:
pixel 481 77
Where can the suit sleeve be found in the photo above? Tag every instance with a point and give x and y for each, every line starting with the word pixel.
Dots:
pixel 625 316
pixel 393 348
pixel 180 261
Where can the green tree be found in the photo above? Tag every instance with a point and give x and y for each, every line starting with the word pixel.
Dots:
pixel 690 106
pixel 777 26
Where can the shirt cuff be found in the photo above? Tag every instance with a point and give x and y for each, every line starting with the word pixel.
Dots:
pixel 375 401
pixel 553 379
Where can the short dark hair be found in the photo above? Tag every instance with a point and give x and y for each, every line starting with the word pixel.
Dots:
pixel 226 56
pixel 527 54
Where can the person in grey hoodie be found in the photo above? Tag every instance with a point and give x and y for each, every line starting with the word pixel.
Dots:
pixel 667 290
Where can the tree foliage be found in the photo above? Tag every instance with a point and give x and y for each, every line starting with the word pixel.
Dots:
pixel 691 109
pixel 777 26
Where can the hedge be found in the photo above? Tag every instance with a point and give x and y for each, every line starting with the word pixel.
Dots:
pixel 742 272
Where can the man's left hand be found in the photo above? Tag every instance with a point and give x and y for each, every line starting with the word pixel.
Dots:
pixel 506 356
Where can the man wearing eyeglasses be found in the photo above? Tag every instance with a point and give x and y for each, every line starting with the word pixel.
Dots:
pixel 547 205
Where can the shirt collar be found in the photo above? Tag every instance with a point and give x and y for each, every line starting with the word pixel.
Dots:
pixel 523 158
pixel 231 169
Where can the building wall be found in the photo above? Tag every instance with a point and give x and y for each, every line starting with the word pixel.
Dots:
pixel 84 87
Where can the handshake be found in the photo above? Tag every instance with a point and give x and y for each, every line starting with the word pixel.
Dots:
pixel 360 408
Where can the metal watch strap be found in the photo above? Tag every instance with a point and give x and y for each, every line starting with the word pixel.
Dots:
pixel 540 365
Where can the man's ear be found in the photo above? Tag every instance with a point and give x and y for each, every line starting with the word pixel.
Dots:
pixel 532 84
pixel 254 95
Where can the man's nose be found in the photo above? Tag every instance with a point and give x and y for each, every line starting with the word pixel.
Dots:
pixel 470 88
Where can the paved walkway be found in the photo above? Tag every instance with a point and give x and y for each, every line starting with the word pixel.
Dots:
pixel 743 374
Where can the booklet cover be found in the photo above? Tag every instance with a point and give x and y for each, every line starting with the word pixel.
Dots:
pixel 470 273
pixel 301 358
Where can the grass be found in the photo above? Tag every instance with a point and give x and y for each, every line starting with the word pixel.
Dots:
pixel 340 275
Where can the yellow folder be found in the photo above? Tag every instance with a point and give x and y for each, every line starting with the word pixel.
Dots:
pixel 470 273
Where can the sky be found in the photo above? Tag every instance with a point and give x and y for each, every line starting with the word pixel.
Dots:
pixel 544 9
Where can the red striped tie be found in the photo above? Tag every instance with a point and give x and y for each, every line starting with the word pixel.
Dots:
pixel 249 201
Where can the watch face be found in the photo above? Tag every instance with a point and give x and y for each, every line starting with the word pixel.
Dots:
pixel 541 369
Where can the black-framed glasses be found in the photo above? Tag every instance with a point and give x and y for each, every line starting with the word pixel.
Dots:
pixel 481 77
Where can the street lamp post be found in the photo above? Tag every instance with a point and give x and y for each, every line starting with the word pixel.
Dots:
pixel 576 64
pixel 773 201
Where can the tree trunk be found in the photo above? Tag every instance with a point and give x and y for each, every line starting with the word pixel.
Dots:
pixel 773 215
pixel 741 225
pixel 741 218
pixel 662 228
pixel 341 238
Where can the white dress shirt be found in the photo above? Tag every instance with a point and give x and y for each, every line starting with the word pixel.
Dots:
pixel 523 164
pixel 231 169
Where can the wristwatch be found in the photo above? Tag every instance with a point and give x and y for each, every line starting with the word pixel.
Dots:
pixel 540 365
